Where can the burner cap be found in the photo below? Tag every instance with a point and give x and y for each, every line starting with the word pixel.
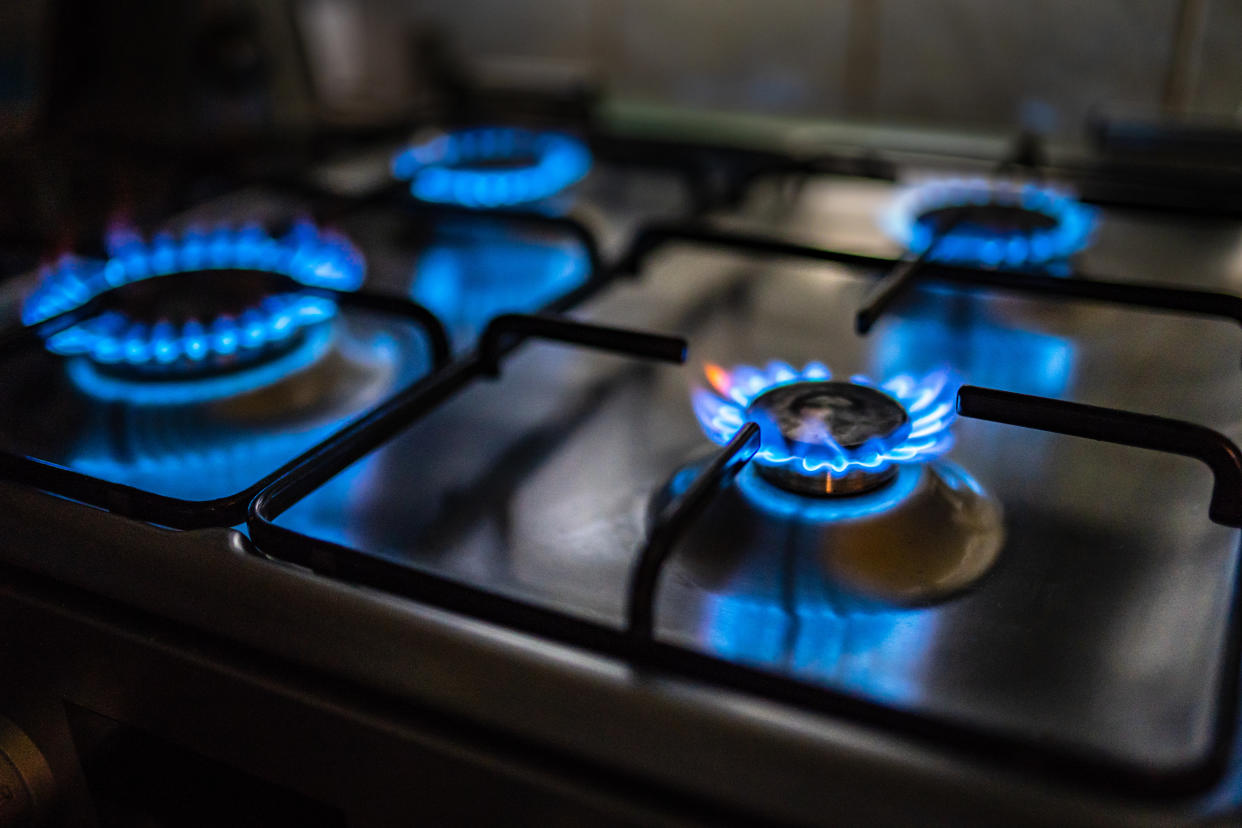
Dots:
pixel 819 416
pixel 1000 220
pixel 822 437
pixel 198 295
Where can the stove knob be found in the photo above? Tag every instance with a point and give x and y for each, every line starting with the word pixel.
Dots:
pixel 25 779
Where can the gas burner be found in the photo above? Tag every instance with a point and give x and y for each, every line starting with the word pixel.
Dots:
pixel 989 223
pixel 489 167
pixel 227 323
pixel 845 475
pixel 808 415
pixel 828 438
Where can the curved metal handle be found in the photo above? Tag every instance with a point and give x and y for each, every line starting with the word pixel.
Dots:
pixel 506 331
pixel 1124 428
pixel 675 519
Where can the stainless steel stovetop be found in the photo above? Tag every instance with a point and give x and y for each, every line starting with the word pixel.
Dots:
pixel 1088 676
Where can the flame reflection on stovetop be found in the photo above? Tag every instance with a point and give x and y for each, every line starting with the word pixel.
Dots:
pixel 475 271
pixel 198 451
pixel 992 354
pixel 817 639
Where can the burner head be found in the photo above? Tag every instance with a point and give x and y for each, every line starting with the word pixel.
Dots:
pixel 198 295
pixel 825 438
pixel 987 223
pixel 999 220
pixel 823 416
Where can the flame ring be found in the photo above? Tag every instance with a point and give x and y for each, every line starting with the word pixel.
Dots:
pixel 928 401
pixel 1073 223
pixel 447 169
pixel 308 255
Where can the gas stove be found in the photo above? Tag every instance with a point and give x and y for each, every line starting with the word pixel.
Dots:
pixel 635 477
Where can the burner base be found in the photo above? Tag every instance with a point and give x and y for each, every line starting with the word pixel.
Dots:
pixel 928 535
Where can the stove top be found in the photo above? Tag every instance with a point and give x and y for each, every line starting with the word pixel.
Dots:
pixel 924 477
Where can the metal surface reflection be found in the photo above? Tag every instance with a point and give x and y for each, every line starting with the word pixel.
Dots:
pixel 855 649
pixel 199 451
pixel 988 353
pixel 474 272
pixel 836 590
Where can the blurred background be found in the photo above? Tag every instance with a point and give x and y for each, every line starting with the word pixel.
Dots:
pixel 108 109
pixel 936 63
pixel 976 63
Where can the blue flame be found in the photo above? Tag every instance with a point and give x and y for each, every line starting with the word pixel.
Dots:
pixel 971 244
pixel 307 254
pixel 464 167
pixel 479 272
pixel 109 388
pixel 929 402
